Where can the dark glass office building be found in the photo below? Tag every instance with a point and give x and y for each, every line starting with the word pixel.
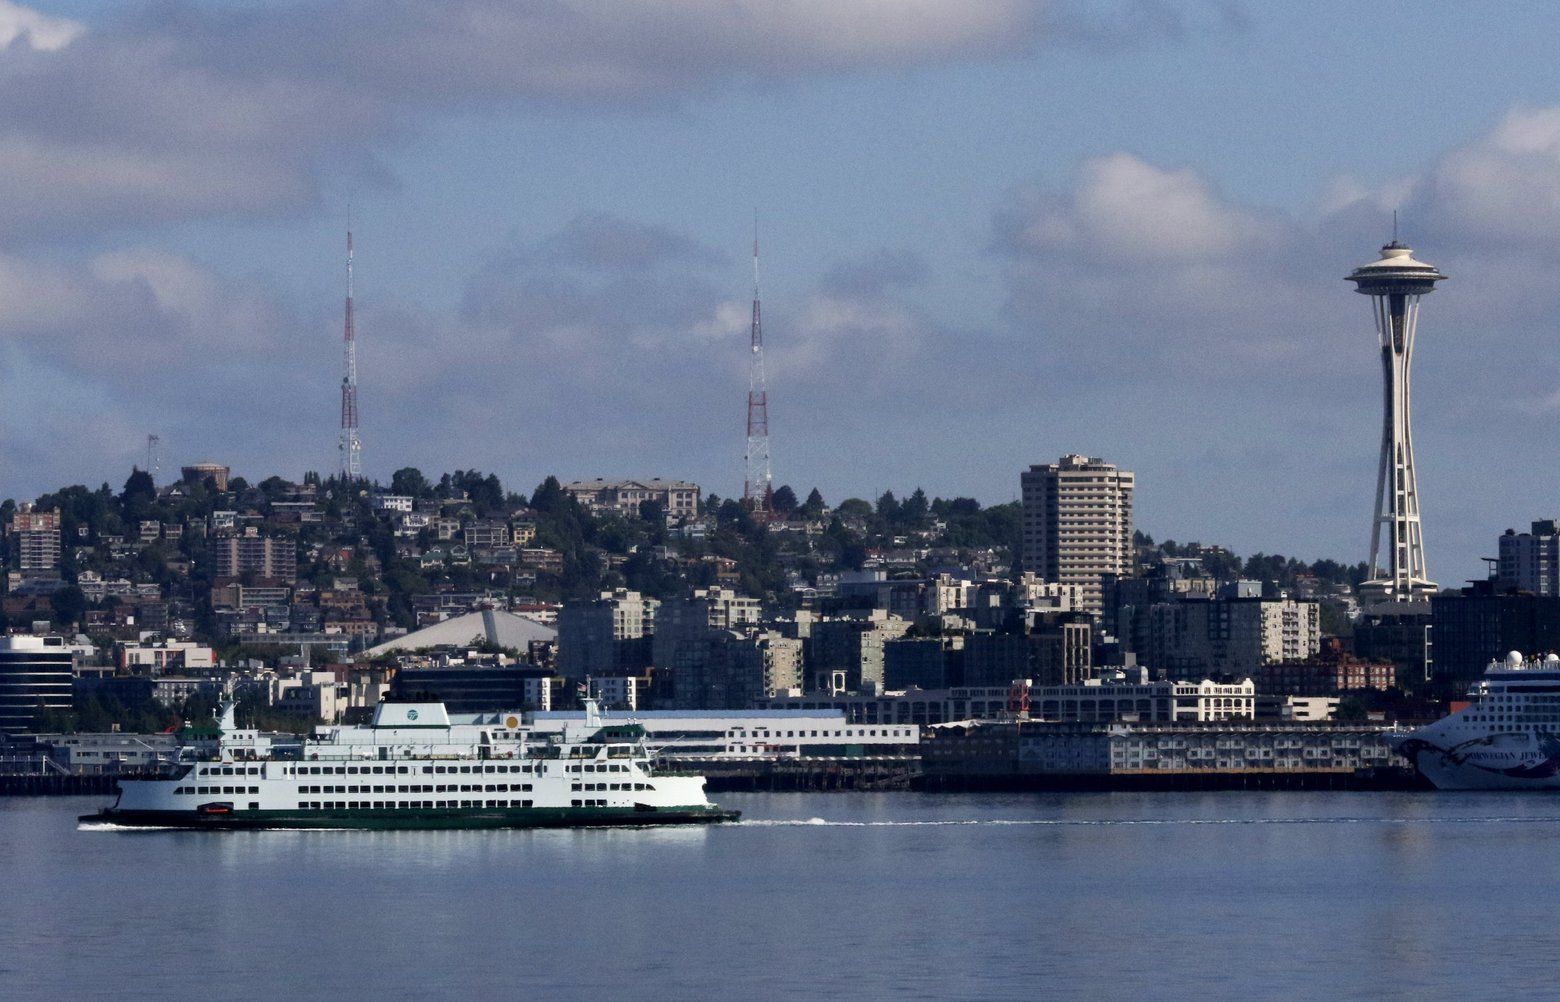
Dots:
pixel 34 671
pixel 467 689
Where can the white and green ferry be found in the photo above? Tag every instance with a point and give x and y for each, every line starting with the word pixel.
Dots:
pixel 412 768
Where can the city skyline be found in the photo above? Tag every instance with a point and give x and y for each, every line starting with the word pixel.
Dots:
pixel 967 270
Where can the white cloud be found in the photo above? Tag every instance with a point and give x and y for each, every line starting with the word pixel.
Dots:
pixel 39 31
pixel 1126 211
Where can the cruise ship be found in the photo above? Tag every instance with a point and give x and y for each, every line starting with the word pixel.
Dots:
pixel 1506 738
pixel 413 768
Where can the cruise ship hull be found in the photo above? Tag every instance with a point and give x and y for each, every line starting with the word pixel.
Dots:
pixel 522 817
pixel 1514 762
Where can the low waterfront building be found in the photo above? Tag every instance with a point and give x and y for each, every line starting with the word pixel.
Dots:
pixel 1040 752
pixel 912 706
pixel 750 734
pixel 108 754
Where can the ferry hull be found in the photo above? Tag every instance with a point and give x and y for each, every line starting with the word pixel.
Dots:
pixel 528 817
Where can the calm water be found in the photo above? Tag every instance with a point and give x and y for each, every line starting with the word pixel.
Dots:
pixel 838 895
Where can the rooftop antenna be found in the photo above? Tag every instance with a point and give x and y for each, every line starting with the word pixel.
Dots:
pixel 757 486
pixel 1394 226
pixel 350 445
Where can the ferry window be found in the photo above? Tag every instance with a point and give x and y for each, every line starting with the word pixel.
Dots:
pixel 527 788
pixel 427 768
pixel 525 803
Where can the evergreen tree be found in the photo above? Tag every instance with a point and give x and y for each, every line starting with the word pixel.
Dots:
pixel 783 501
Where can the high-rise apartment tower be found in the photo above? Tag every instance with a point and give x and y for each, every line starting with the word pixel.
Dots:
pixel 1078 524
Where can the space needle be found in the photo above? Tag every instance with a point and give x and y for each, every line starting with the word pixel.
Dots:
pixel 1395 284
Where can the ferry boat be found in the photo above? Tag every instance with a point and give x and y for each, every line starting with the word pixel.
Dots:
pixel 412 768
pixel 1506 738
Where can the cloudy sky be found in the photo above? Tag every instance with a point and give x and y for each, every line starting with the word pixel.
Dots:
pixel 994 231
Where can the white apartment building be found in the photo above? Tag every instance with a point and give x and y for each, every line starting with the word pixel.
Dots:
pixel 679 499
pixel 1077 524
pixel 165 655
pixel 1129 695
pixel 391 502
pixel 622 693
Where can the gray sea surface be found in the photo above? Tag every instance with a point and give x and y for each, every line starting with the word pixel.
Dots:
pixel 840 895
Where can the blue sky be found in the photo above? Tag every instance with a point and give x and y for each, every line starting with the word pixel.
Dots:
pixel 994 231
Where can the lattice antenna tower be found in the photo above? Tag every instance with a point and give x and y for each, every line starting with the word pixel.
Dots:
pixel 758 484
pixel 152 448
pixel 351 446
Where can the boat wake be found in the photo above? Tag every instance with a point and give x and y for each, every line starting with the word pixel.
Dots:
pixel 1108 822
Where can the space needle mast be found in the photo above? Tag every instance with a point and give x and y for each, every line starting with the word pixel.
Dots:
pixel 1395 284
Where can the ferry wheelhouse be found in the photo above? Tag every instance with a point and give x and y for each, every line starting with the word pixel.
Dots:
pixel 412 768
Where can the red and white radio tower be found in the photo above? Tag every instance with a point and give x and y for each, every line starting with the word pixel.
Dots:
pixel 757 487
pixel 351 446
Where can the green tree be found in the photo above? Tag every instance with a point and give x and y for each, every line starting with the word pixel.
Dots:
pixel 550 497
pixel 853 508
pixel 139 495
pixel 410 482
pixel 783 501
pixel 69 605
